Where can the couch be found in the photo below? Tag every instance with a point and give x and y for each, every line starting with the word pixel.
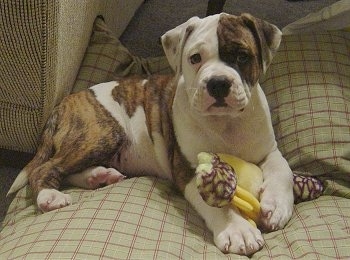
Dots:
pixel 308 89
pixel 42 44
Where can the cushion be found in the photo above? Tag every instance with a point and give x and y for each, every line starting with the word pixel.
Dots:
pixel 106 58
pixel 308 90
pixel 144 218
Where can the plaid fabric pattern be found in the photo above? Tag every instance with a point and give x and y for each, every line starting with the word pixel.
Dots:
pixel 144 218
pixel 308 90
pixel 106 58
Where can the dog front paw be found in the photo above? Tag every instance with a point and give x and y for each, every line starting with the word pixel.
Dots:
pixel 276 209
pixel 239 238
pixel 50 199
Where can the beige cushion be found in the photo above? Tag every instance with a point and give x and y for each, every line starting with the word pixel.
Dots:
pixel 106 58
pixel 308 90
pixel 145 218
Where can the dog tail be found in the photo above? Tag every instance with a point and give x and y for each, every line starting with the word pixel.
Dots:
pixel 44 152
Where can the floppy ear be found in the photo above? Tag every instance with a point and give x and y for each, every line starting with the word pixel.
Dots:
pixel 174 41
pixel 267 36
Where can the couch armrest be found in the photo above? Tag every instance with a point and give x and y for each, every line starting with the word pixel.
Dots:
pixel 42 44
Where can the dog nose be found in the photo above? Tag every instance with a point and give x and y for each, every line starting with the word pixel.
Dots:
pixel 218 87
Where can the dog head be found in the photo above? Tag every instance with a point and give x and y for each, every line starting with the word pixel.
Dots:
pixel 220 58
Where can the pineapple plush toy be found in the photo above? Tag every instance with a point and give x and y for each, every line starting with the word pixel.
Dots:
pixel 224 179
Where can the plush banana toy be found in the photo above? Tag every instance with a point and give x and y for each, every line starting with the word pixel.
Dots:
pixel 224 179
pixel 217 183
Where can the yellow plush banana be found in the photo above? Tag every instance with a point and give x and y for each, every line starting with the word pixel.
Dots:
pixel 217 176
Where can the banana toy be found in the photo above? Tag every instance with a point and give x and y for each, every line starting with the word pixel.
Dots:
pixel 217 176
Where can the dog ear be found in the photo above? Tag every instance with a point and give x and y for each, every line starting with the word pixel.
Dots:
pixel 266 35
pixel 174 41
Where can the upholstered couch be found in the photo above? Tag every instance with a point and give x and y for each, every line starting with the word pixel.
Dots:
pixel 308 88
pixel 42 44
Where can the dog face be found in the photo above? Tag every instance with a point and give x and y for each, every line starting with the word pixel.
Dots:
pixel 221 58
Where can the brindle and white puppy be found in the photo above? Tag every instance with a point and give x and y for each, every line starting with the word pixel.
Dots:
pixel 157 126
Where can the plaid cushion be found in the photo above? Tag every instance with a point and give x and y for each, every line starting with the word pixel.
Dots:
pixel 308 90
pixel 144 218
pixel 106 58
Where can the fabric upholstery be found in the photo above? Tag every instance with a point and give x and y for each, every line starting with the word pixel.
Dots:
pixel 146 218
pixel 28 46
pixel 308 90
pixel 42 44
pixel 106 59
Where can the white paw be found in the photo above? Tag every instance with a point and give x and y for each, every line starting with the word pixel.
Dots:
pixel 239 237
pixel 276 209
pixel 101 176
pixel 50 199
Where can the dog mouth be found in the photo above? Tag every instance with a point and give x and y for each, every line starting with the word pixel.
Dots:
pixel 220 103
pixel 221 107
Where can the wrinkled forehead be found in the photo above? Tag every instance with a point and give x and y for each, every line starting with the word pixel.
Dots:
pixel 205 32
pixel 232 32
pixel 223 31
pixel 207 26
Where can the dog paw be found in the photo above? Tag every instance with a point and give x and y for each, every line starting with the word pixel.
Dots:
pixel 239 238
pixel 50 199
pixel 276 210
pixel 101 176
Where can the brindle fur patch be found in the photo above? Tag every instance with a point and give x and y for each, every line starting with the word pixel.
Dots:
pixel 156 96
pixel 153 94
pixel 234 39
pixel 81 134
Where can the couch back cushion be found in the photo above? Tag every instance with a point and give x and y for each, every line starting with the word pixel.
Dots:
pixel 308 90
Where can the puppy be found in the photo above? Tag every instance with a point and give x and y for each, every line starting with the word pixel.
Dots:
pixel 158 125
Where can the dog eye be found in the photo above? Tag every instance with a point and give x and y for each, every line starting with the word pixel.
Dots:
pixel 195 58
pixel 242 57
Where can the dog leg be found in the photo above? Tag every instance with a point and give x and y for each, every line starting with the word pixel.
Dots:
pixel 94 177
pixel 44 181
pixel 232 233
pixel 276 193
pixel 82 134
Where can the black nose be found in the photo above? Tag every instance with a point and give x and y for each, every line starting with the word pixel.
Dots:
pixel 218 87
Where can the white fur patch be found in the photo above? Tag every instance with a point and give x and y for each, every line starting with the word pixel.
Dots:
pixel 148 156
pixel 103 93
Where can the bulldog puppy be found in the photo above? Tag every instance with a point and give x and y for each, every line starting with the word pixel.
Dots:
pixel 158 125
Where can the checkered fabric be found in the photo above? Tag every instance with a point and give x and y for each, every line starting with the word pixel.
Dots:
pixel 106 59
pixel 145 218
pixel 308 90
